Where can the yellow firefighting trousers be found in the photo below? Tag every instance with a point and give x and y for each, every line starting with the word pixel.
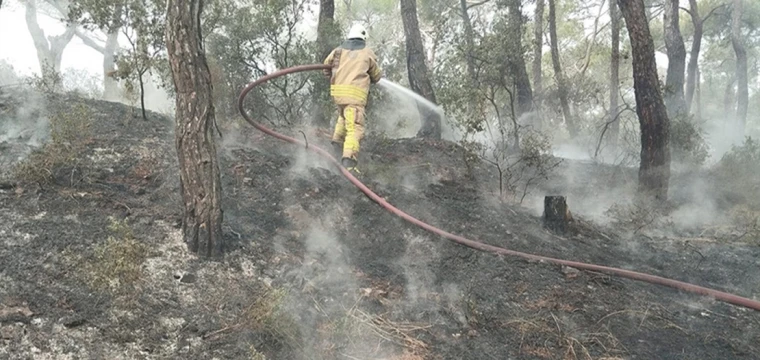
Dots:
pixel 349 129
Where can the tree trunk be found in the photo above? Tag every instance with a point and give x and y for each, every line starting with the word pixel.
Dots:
pixel 199 168
pixel 469 35
pixel 516 60
pixel 698 96
pixel 326 36
pixel 110 86
pixel 142 94
pixel 742 86
pixel 728 99
pixel 538 44
pixel 50 49
pixel 613 121
pixel 654 169
pixel 326 29
pixel 419 80
pixel 557 217
pixel 674 81
pixel 696 44
pixel 559 77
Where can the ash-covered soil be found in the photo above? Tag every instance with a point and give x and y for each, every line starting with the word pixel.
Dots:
pixel 92 266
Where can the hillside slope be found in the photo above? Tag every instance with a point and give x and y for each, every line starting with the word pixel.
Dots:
pixel 93 265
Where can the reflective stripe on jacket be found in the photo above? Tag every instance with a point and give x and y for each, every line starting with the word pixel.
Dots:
pixel 354 67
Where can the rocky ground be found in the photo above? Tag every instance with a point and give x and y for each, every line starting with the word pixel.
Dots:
pixel 92 265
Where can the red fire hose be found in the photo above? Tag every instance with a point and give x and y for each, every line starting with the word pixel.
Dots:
pixel 680 285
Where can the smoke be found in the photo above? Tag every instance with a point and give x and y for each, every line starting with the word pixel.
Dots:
pixel 327 288
pixel 24 122
pixel 157 99
pixel 23 126
pixel 721 136
pixel 420 254
pixel 305 160
pixel 8 75
pixel 701 209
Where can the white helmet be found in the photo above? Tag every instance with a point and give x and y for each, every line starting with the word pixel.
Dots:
pixel 357 32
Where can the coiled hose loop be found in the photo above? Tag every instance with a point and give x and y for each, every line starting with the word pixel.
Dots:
pixel 680 285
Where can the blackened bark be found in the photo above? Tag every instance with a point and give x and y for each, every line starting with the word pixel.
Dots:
pixel 419 79
pixel 696 44
pixel 742 86
pixel 557 216
pixel 326 36
pixel 199 167
pixel 676 51
pixel 538 45
pixel 558 75
pixel 516 59
pixel 614 123
pixel 654 169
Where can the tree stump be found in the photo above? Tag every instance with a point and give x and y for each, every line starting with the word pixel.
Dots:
pixel 557 216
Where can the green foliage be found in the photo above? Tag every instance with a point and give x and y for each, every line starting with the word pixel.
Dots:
pixel 49 82
pixel 69 134
pixel 142 22
pixel 687 143
pixel 246 39
pixel 254 40
pixel 742 163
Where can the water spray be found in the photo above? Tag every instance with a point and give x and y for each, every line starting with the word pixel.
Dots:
pixel 653 279
pixel 392 86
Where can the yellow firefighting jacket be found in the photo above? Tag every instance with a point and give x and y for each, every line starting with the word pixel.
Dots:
pixel 354 67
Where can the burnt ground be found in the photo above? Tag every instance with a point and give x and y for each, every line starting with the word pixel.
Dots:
pixel 315 270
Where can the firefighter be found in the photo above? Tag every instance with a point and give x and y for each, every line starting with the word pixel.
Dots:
pixel 354 67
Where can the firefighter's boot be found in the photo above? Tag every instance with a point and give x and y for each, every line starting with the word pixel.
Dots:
pixel 337 149
pixel 350 165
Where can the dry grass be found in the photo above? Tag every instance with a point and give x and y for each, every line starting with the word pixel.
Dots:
pixel 256 355
pixel 547 336
pixel 114 265
pixel 634 217
pixel 69 135
pixel 267 314
pixel 349 333
pixel 373 336
pixel 399 333
pixel 742 225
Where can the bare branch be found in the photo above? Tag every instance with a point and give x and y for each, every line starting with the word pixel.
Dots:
pixel 712 12
pixel 607 124
pixel 593 39
pixel 470 6
pixel 89 42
